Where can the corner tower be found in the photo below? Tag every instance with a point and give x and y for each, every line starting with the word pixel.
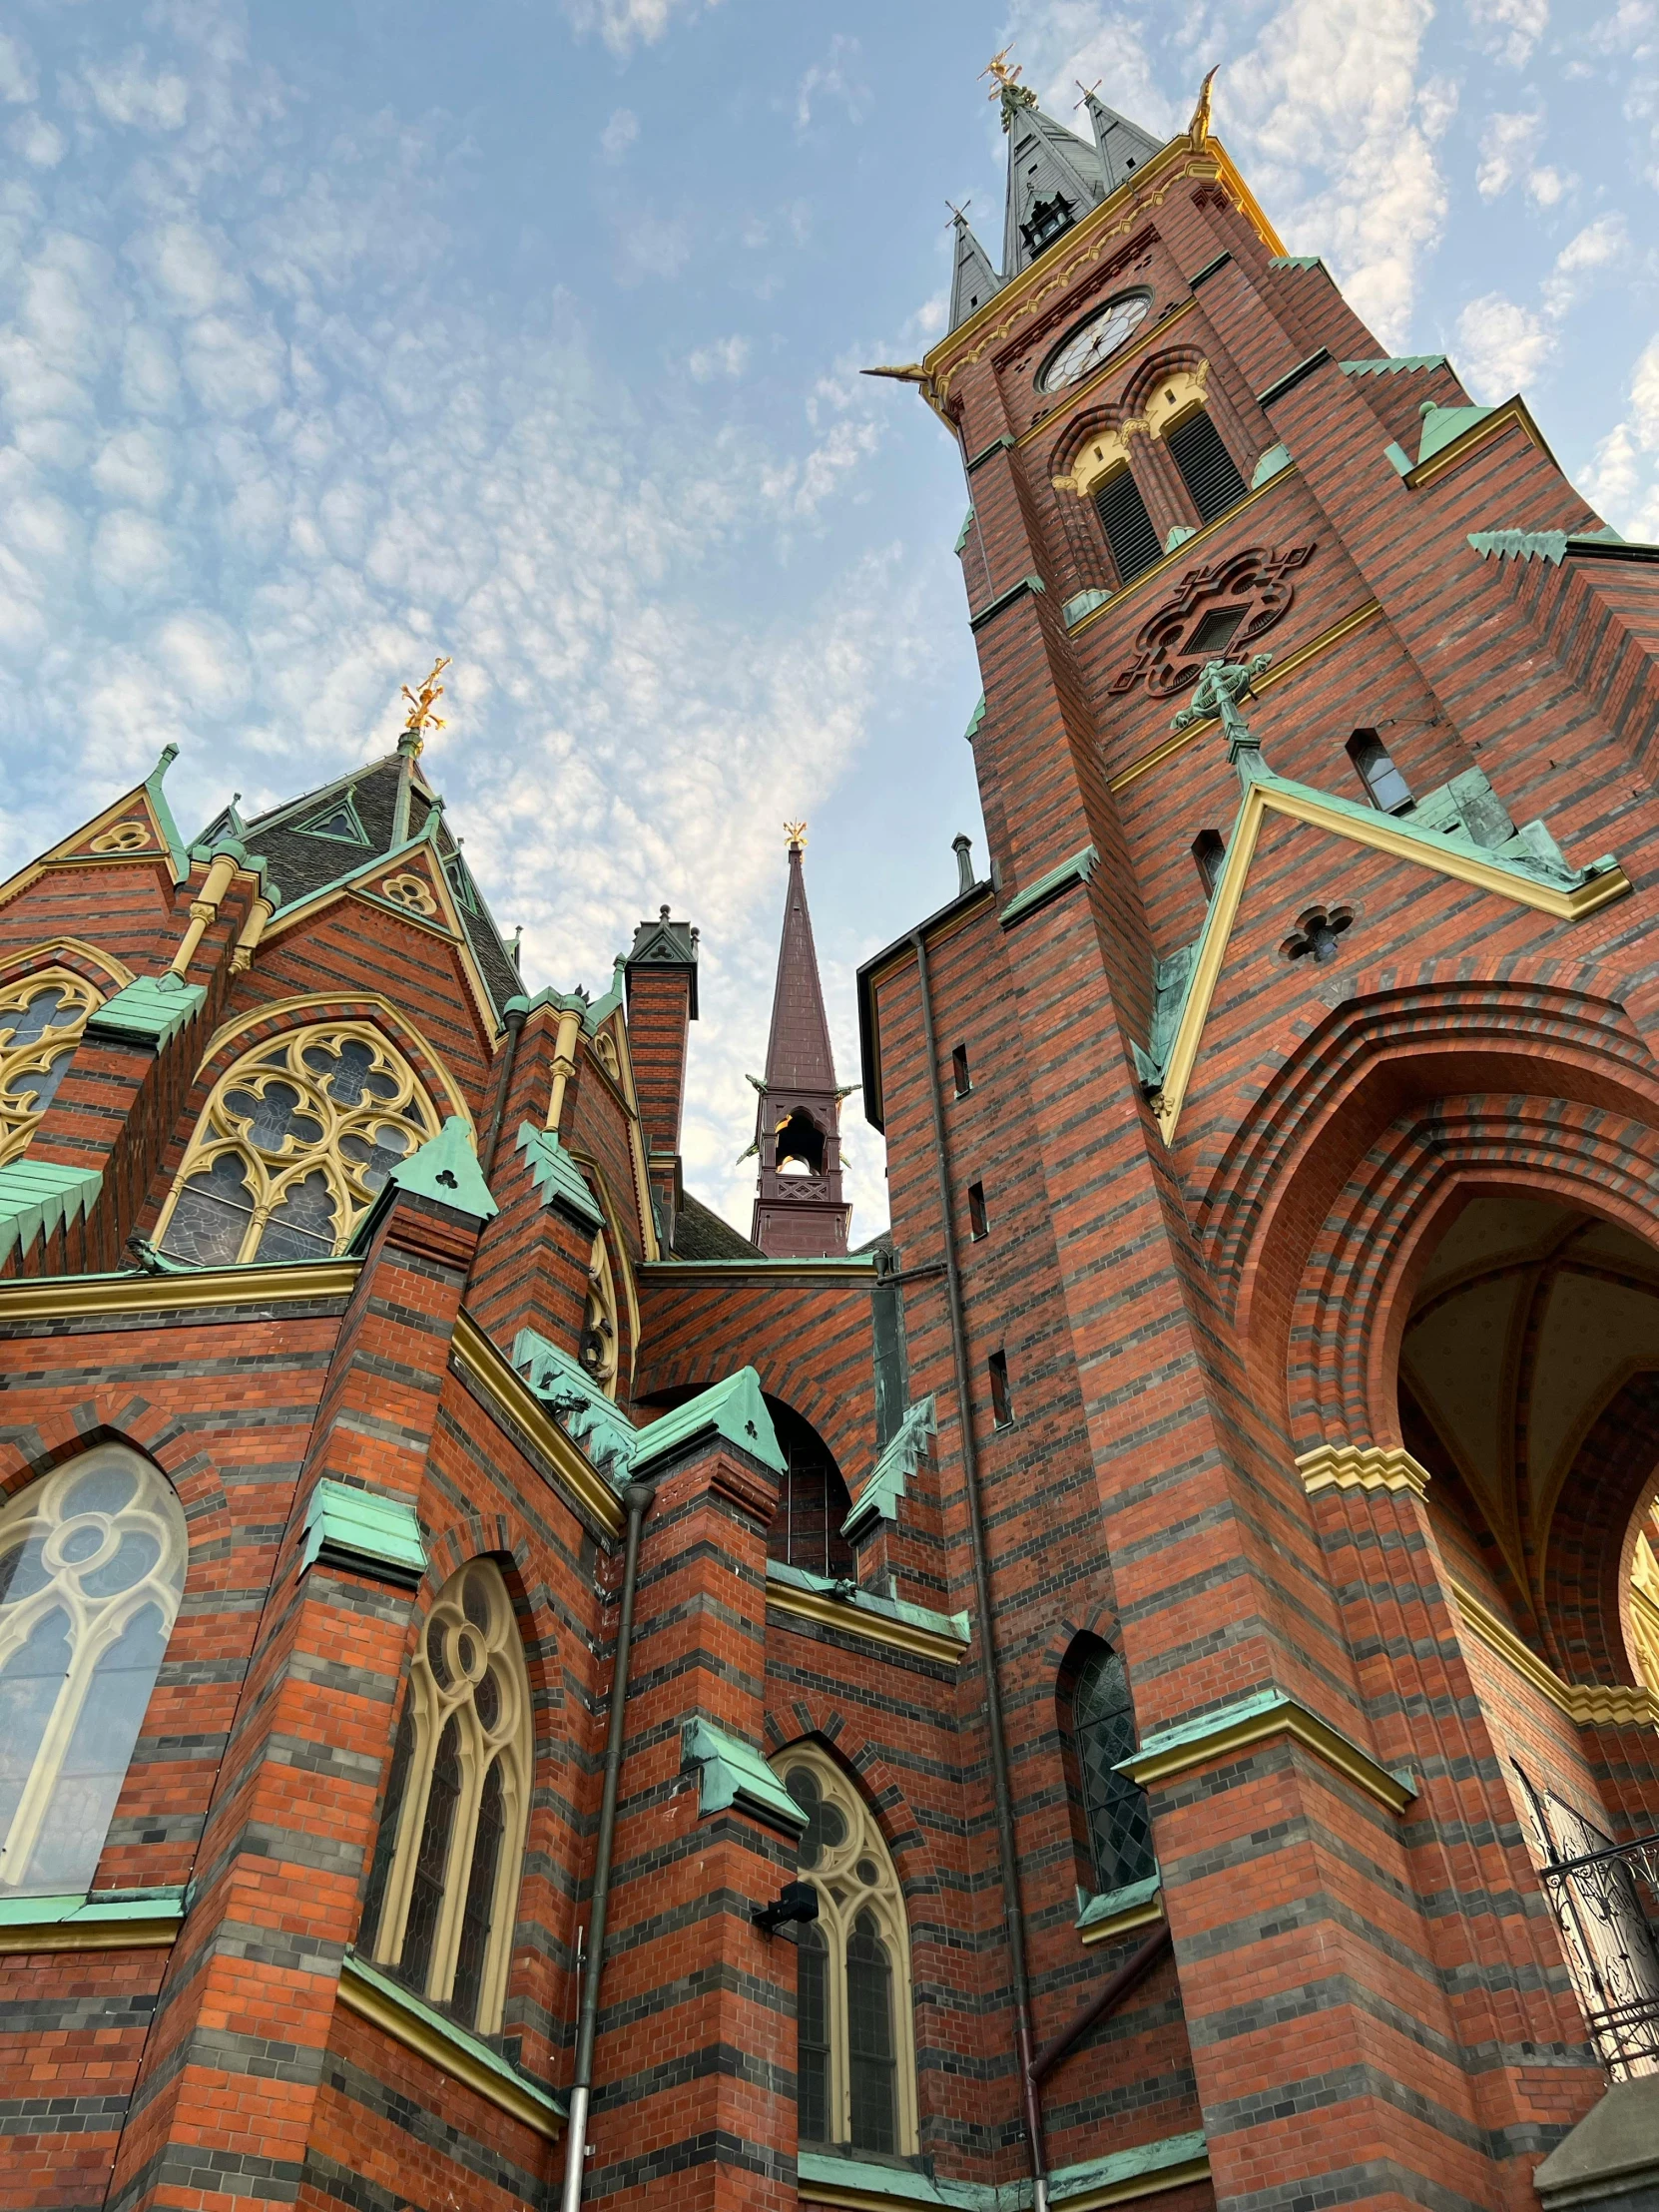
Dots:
pixel 799 1210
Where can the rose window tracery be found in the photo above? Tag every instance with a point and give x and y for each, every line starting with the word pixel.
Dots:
pixel 41 1020
pixel 296 1140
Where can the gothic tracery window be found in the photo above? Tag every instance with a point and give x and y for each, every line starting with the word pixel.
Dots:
pixel 856 2060
pixel 296 1141
pixel 444 1880
pixel 41 1019
pixel 91 1564
pixel 600 1333
pixel 1098 1731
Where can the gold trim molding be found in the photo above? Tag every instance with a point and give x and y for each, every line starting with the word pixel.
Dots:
pixel 1514 412
pixel 1617 1704
pixel 1352 1468
pixel 156 1934
pixel 1282 1718
pixel 1122 1923
pixel 1185 389
pixel 71 1297
pixel 449 2053
pixel 875 1628
pixel 478 1359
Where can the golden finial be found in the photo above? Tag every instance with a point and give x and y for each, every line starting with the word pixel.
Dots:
pixel 422 717
pixel 796 832
pixel 997 68
pixel 1198 130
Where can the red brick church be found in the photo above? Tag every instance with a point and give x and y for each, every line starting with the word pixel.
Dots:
pixel 1138 1686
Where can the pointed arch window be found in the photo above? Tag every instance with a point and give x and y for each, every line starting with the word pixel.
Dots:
pixel 1111 1820
pixel 443 1884
pixel 600 1332
pixel 91 1564
pixel 855 2049
pixel 41 1019
pixel 293 1146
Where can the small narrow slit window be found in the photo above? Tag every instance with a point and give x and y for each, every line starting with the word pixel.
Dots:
pixel 979 1222
pixel 1002 1410
pixel 1208 853
pixel 1385 785
pixel 1126 525
pixel 1207 468
pixel 959 1071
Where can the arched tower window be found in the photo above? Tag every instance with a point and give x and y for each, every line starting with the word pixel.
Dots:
pixel 1128 526
pixel 814 1502
pixel 297 1138
pixel 600 1333
pixel 1097 1723
pixel 1385 786
pixel 855 2057
pixel 799 1145
pixel 41 1019
pixel 1207 468
pixel 444 1881
pixel 1209 853
pixel 92 1563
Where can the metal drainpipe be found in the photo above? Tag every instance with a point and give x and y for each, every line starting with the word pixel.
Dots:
pixel 637 1499
pixel 1013 1915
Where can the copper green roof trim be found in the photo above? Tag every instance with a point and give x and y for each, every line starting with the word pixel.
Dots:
pixel 557 1177
pixel 1296 261
pixel 340 822
pixel 449 2030
pixel 956 1626
pixel 1273 462
pixel 445 1168
pixel 1552 545
pixel 733 1409
pixel 164 813
pixel 152 1010
pixel 732 1772
pixel 1113 2174
pixel 364 1533
pixel 879 1499
pixel 963 533
pixel 588 1417
pixel 1077 869
pixel 1106 1904
pixel 1392 364
pixel 38 1197
pixel 97 1905
pixel 1442 425
pixel 974 720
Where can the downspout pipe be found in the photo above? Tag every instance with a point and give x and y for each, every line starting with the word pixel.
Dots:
pixel 1012 1907
pixel 637 1499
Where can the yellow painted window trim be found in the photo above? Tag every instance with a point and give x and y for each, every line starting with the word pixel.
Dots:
pixel 1611 1704
pixel 18 1063
pixel 433 1705
pixel 885 1901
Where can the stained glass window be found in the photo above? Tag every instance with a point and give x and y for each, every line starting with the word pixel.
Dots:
pixel 92 1563
pixel 855 2049
pixel 444 1880
pixel 1115 1809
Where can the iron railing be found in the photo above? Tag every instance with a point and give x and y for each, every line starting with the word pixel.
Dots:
pixel 1607 1906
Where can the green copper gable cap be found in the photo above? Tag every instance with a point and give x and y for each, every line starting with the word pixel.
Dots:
pixel 733 1409
pixel 1442 425
pixel 445 1168
pixel 151 1009
pixel 164 813
pixel 363 1532
pixel 733 1772
pixel 558 1180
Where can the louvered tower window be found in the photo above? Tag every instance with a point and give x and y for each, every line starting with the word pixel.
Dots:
pixel 1126 525
pixel 1205 465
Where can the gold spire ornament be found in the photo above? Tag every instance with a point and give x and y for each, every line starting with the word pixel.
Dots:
pixel 1198 130
pixel 1005 85
pixel 796 832
pixel 421 715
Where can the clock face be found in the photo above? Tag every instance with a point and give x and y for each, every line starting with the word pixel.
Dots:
pixel 1089 344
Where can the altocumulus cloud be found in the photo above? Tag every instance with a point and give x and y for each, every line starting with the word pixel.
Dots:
pixel 243 498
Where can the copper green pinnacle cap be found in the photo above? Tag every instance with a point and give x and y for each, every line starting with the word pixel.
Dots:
pixel 445 1168
pixel 733 1409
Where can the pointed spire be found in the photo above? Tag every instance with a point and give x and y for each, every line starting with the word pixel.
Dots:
pixel 1121 146
pixel 799 1211
pixel 1054 180
pixel 972 279
pixel 798 1057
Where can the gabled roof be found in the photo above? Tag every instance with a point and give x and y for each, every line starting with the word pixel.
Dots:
pixel 325 839
pixel 1121 146
pixel 972 279
pixel 1044 160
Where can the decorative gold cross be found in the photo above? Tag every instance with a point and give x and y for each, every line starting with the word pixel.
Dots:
pixel 796 832
pixel 422 717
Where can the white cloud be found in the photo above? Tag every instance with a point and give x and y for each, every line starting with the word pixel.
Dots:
pixel 18 79
pixel 650 246
pixel 34 140
pixel 124 93
pixel 725 357
pixel 132 554
pixel 625 24
pixel 1623 480
pixel 835 77
pixel 619 134
pixel 133 466
pixel 1547 185
pixel 1507 145
pixel 1512 26
pixel 1501 346
pixel 1598 246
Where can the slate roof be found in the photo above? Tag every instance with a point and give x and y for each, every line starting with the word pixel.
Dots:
pixel 699 1234
pixel 302 860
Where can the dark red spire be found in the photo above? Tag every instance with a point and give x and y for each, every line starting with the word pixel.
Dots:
pixel 799 1210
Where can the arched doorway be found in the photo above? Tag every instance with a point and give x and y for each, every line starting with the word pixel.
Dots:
pixel 1529 1391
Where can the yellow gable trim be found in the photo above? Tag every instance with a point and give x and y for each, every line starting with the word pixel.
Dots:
pixel 1382 836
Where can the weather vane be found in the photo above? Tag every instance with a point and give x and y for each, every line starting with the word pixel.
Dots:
pixel 997 68
pixel 422 717
pixel 796 832
pixel 1088 91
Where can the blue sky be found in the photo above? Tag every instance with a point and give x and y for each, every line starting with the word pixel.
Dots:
pixel 335 337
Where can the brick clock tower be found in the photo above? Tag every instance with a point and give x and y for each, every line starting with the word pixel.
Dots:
pixel 1137 1687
